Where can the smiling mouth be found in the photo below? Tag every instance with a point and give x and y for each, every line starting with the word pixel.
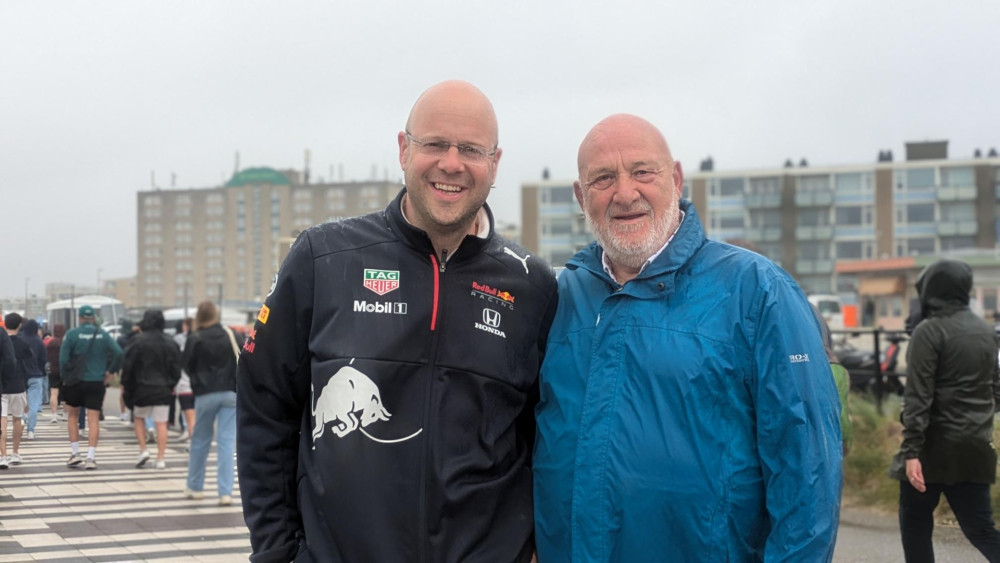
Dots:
pixel 450 188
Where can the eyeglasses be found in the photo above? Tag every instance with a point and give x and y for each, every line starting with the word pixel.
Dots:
pixel 605 179
pixel 472 154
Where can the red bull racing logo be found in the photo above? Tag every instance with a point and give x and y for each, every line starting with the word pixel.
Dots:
pixel 493 295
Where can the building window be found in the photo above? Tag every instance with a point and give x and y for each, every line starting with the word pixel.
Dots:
pixel 152 200
pixel 558 195
pixel 920 213
pixel 152 212
pixel 958 212
pixel 915 178
pixel 854 183
pixel 820 183
pixel 730 187
pixel 152 227
pixel 215 198
pixel 813 217
pixel 765 186
pixel 958 177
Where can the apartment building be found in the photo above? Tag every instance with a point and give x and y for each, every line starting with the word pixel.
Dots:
pixel 811 220
pixel 225 243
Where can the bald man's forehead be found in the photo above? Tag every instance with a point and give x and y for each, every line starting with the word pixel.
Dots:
pixel 455 102
pixel 626 142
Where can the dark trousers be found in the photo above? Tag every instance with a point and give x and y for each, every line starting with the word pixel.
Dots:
pixel 971 504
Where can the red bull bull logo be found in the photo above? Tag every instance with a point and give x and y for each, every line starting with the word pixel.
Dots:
pixel 350 401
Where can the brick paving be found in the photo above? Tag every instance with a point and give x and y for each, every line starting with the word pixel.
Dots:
pixel 50 512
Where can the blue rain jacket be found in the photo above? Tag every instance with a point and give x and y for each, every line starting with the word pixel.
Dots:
pixel 689 415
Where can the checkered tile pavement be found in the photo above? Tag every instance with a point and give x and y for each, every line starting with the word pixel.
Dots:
pixel 49 512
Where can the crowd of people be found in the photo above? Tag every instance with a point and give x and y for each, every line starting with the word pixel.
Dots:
pixel 157 372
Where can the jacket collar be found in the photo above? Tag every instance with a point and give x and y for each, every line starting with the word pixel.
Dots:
pixel 686 241
pixel 418 240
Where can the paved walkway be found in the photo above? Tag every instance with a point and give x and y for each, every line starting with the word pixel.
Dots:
pixel 49 512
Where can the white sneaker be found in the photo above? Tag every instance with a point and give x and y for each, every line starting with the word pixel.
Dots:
pixel 31 435
pixel 15 459
pixel 123 416
pixel 74 460
pixel 225 500
pixel 143 458
pixel 183 436
pixel 194 495
pixel 161 464
pixel 4 464
pixel 54 419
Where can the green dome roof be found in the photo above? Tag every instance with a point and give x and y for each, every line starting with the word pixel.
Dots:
pixel 258 176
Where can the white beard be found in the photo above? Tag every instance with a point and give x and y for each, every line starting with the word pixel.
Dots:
pixel 629 252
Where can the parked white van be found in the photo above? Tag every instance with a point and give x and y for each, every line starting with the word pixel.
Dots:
pixel 829 307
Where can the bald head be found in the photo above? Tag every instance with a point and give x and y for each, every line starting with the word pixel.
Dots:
pixel 620 130
pixel 459 101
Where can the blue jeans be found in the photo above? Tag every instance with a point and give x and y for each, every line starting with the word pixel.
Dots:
pixel 36 386
pixel 209 408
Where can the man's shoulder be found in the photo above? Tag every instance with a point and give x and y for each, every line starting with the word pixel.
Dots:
pixel 345 234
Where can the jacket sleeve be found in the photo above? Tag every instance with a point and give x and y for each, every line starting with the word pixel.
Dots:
pixel 174 355
pixel 7 365
pixel 65 350
pixel 921 365
pixel 115 354
pixel 273 382
pixel 129 368
pixel 798 427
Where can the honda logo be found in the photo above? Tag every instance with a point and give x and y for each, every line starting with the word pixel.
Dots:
pixel 491 318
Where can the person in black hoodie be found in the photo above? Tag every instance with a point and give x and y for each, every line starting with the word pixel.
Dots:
pixel 14 400
pixel 210 355
pixel 36 373
pixel 952 390
pixel 152 368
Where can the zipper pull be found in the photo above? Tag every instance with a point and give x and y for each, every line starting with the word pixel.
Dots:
pixel 444 258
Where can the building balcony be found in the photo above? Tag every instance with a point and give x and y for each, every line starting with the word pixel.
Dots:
pixel 814 199
pixel 764 234
pixel 956 228
pixel 763 200
pixel 819 232
pixel 959 193
pixel 814 266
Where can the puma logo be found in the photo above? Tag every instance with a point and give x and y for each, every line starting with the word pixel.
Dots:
pixel 523 261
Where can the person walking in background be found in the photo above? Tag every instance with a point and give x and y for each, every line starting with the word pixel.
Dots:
pixel 14 398
pixel 183 391
pixel 88 359
pixel 687 408
pixel 152 367
pixel 31 336
pixel 55 383
pixel 210 357
pixel 952 391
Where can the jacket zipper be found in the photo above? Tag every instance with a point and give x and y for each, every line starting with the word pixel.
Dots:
pixel 439 268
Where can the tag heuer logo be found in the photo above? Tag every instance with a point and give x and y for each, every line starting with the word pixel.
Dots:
pixel 381 281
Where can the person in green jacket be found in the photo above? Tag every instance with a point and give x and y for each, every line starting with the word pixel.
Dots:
pixel 83 386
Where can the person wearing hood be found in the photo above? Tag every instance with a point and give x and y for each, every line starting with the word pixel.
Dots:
pixel 952 389
pixel 152 368
pixel 55 381
pixel 36 373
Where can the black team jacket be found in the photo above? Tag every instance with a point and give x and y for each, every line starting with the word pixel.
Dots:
pixel 385 401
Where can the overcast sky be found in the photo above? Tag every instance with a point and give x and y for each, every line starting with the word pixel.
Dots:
pixel 97 97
